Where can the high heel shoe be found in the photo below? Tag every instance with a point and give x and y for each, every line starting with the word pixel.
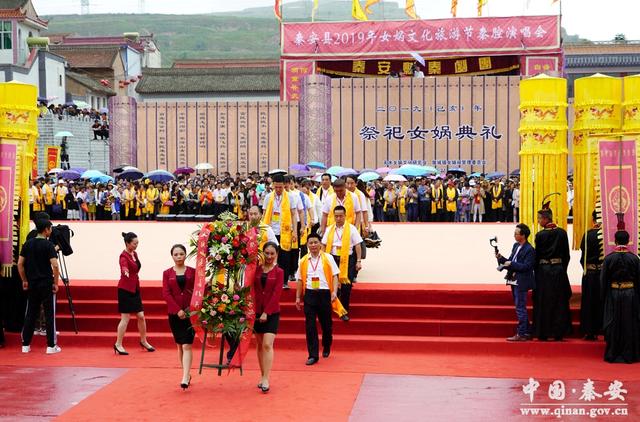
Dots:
pixel 264 389
pixel 148 349
pixel 185 386
pixel 117 351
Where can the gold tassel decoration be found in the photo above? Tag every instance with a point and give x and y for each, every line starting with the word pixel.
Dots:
pixel 597 109
pixel 543 153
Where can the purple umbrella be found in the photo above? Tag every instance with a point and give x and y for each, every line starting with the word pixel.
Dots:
pixel 367 171
pixel 298 168
pixel 78 169
pixel 184 170
pixel 383 170
pixel 69 175
pixel 346 172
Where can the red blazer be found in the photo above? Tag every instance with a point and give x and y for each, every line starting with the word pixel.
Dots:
pixel 268 299
pixel 129 282
pixel 177 299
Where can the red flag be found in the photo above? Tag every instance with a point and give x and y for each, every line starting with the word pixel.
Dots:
pixel 278 10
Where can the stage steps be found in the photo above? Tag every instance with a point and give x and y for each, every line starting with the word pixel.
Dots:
pixel 393 319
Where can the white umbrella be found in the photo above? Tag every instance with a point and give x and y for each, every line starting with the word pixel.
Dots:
pixel 395 178
pixel 318 177
pixel 55 171
pixel 278 171
pixel 203 166
pixel 63 133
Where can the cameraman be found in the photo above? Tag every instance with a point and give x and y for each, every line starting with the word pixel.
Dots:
pixel 520 276
pixel 39 271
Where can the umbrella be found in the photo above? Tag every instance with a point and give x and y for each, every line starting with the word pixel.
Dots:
pixel 346 172
pixel 516 172
pixel 55 171
pixel 69 175
pixel 130 174
pixel 334 170
pixel 383 170
pixel 316 165
pixel 204 166
pixel 96 176
pixel 307 173
pixel 395 178
pixel 495 175
pixel 318 178
pixel 299 167
pixel 160 176
pixel 476 174
pixel 367 170
pixel 457 171
pixel 78 169
pixel 104 110
pixel 82 104
pixel 278 171
pixel 103 179
pixel 369 176
pixel 415 171
pixel 184 170
pixel 63 134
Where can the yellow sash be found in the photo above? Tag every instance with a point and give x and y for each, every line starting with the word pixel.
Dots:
pixel 343 278
pixel 285 219
pixel 307 229
pixel 37 198
pixel 451 194
pixel 438 194
pixel 237 207
pixel 329 192
pixel 48 195
pixel 402 200
pixel 262 235
pixel 60 199
pixel 326 267
pixel 496 204
pixel 348 204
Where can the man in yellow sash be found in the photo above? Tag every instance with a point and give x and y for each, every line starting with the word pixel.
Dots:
pixel 47 194
pixel 402 202
pixel 152 196
pixel 341 240
pixel 325 188
pixel 437 195
pixel 451 201
pixel 129 196
pixel 265 232
pixel 300 203
pixel 318 279
pixel 38 199
pixel 60 202
pixel 311 216
pixel 497 192
pixel 341 196
pixel 280 213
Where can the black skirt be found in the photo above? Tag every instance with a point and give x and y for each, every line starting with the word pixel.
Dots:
pixel 183 332
pixel 129 303
pixel 269 326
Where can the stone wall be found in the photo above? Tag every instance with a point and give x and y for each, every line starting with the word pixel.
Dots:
pixel 82 149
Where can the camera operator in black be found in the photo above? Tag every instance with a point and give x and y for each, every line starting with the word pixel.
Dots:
pixel 39 271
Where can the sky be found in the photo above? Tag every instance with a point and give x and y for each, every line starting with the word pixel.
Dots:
pixel 597 20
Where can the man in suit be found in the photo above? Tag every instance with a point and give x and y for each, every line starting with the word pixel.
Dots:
pixel 520 276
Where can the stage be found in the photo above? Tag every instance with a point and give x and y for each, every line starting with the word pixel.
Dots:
pixel 426 342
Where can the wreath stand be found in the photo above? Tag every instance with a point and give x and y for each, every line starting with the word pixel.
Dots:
pixel 221 364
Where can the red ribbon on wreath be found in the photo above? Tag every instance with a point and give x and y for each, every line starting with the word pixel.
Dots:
pixel 201 279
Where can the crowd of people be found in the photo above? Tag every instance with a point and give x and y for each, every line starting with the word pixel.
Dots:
pixel 448 199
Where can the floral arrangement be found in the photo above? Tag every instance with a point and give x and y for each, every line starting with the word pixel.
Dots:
pixel 227 306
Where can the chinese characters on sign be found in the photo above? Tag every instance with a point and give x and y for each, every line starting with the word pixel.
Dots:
pixel 263 138
pixel 242 140
pixel 202 131
pixel 436 133
pixel 557 391
pixel 222 139
pixel 294 72
pixel 162 137
pixel 182 136
pixel 436 162
pixel 438 108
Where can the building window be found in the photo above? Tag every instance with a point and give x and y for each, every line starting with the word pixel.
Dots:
pixel 59 80
pixel 5 35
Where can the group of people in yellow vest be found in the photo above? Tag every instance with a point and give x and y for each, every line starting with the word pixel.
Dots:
pixel 325 227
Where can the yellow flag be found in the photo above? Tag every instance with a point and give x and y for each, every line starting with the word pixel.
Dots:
pixel 481 4
pixel 313 11
pixel 357 12
pixel 368 4
pixel 410 9
pixel 454 8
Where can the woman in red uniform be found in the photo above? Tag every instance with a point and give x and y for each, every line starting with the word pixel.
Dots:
pixel 177 288
pixel 129 300
pixel 268 288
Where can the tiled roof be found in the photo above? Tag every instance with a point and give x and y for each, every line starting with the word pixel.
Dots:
pixel 181 80
pixel 87 57
pixel 90 83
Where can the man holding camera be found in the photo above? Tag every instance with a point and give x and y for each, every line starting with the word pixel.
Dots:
pixel 521 278
pixel 40 273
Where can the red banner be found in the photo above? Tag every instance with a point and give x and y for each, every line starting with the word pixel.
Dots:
pixel 293 72
pixel 515 35
pixel 8 157
pixel 53 157
pixel 619 189
pixel 201 279
pixel 34 165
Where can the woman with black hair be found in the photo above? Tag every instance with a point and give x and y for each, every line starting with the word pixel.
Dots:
pixel 129 300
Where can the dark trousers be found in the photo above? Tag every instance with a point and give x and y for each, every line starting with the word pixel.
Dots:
pixel 412 212
pixel 345 289
pixel 317 303
pixel 424 209
pixel 284 262
pixel 38 295
pixel 520 300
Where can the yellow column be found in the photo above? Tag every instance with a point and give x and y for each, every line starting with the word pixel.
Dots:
pixel 19 126
pixel 598 101
pixel 543 154
pixel 631 122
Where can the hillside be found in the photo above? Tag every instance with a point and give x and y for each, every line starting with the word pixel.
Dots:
pixel 252 33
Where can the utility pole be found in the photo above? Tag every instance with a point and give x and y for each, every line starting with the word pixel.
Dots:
pixel 141 6
pixel 84 7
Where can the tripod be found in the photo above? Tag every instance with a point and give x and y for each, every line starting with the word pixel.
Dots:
pixel 64 275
